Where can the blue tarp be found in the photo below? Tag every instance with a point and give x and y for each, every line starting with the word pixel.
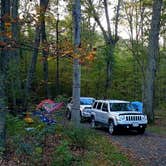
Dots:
pixel 138 106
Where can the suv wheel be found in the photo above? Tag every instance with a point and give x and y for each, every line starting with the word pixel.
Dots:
pixel 111 127
pixel 93 123
pixel 141 131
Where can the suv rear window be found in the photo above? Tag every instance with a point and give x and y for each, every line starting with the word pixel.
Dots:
pixel 99 105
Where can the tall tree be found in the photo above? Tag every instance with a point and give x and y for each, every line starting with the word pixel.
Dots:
pixel 57 50
pixel 135 17
pixel 5 19
pixel 110 38
pixel 32 67
pixel 44 5
pixel 153 51
pixel 76 67
pixel 14 59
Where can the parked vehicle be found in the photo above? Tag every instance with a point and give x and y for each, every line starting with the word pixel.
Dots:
pixel 85 107
pixel 116 114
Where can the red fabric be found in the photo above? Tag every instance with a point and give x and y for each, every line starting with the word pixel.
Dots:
pixel 49 101
pixel 49 105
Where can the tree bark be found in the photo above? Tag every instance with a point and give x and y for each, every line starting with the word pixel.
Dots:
pixel 57 52
pixel 153 51
pixel 44 5
pixel 15 59
pixel 32 67
pixel 5 14
pixel 76 66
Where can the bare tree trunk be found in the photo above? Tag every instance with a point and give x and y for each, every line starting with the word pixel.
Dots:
pixel 5 14
pixel 57 51
pixel 44 5
pixel 32 67
pixel 153 51
pixel 2 113
pixel 15 59
pixel 110 39
pixel 76 66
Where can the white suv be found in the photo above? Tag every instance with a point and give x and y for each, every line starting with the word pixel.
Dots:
pixel 85 107
pixel 117 114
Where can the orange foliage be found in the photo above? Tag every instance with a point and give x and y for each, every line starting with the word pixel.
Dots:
pixel 7 24
pixel 9 34
pixel 66 49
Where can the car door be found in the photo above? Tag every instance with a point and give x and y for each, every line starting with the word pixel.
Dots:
pixel 104 113
pixel 98 111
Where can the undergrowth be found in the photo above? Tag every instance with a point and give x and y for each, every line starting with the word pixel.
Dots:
pixel 65 144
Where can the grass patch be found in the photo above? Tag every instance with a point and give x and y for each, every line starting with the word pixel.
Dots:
pixel 160 123
pixel 157 129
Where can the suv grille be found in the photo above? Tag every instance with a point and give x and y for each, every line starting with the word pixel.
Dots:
pixel 133 118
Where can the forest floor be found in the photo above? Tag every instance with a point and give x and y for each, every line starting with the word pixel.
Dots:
pixel 97 146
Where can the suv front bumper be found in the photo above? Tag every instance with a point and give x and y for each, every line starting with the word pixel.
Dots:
pixel 131 126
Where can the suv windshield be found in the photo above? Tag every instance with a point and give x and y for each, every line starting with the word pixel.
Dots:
pixel 86 101
pixel 121 107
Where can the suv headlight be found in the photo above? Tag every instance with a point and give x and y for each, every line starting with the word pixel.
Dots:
pixel 120 118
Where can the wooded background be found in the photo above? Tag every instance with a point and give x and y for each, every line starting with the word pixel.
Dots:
pixel 37 50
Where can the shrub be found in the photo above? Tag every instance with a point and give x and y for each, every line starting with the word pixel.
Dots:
pixel 62 156
pixel 78 137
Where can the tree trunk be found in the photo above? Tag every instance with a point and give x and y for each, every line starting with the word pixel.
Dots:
pixel 2 114
pixel 109 67
pixel 76 66
pixel 110 39
pixel 44 4
pixel 153 51
pixel 32 67
pixel 57 52
pixel 15 60
pixel 5 14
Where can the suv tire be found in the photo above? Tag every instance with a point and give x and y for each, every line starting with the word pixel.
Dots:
pixel 111 127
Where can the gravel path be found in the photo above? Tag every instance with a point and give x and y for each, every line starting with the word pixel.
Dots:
pixel 148 148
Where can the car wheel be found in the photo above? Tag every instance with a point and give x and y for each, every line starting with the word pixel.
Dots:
pixel 68 115
pixel 111 128
pixel 93 123
pixel 141 131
